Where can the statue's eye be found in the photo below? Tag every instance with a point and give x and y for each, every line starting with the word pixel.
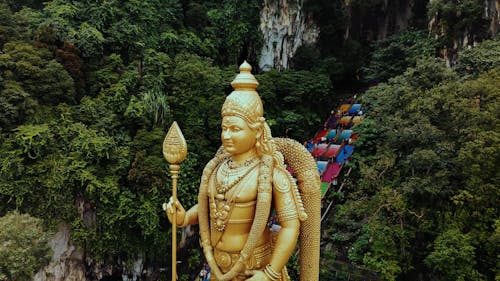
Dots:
pixel 236 129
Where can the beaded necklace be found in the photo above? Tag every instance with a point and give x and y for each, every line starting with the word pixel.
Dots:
pixel 228 170
pixel 220 207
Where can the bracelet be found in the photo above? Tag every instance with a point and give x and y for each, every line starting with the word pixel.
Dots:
pixel 185 222
pixel 271 273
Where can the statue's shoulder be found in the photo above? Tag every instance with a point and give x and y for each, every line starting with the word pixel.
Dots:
pixel 282 180
pixel 220 156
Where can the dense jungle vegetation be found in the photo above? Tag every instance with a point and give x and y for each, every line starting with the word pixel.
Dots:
pixel 88 90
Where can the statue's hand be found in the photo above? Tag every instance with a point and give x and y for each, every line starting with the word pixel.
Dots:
pixel 257 275
pixel 170 207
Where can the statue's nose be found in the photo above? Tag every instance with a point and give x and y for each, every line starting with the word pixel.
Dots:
pixel 226 134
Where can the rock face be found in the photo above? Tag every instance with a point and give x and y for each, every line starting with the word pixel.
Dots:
pixel 285 28
pixel 492 13
pixel 469 35
pixel 370 23
pixel 67 262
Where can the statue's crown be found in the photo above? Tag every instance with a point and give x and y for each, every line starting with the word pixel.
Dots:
pixel 245 80
pixel 244 102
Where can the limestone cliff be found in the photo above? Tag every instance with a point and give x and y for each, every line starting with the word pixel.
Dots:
pixel 492 12
pixel 485 25
pixel 377 20
pixel 67 262
pixel 285 27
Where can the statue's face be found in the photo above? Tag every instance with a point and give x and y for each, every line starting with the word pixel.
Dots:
pixel 237 137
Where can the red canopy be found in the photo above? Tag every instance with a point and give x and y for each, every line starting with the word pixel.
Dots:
pixel 319 149
pixel 332 150
pixel 332 171
pixel 320 135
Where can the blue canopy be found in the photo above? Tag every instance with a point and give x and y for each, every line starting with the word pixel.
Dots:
pixel 331 134
pixel 341 157
pixel 321 166
pixel 344 135
pixel 310 146
pixel 354 109
pixel 345 153
pixel 348 150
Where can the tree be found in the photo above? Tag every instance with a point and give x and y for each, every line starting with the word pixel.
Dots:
pixel 425 163
pixel 24 248
pixel 282 92
pixel 453 257
pixel 393 55
pixel 481 58
pixel 41 75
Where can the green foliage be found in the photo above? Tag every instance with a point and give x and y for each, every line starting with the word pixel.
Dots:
pixel 282 92
pixel 451 19
pixel 453 256
pixel 393 55
pixel 425 164
pixel 481 58
pixel 306 57
pixel 24 248
pixel 235 26
pixel 89 40
pixel 196 99
pixel 15 104
pixel 41 75
pixel 7 23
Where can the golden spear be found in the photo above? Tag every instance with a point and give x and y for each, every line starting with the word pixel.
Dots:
pixel 174 151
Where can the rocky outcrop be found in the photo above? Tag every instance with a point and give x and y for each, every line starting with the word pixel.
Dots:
pixel 492 13
pixel 285 27
pixel 67 262
pixel 469 35
pixel 377 20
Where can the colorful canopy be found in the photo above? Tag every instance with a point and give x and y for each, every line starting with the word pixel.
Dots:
pixel 357 119
pixel 321 166
pixel 345 121
pixel 354 109
pixel 345 153
pixel 332 171
pixel 331 134
pixel 332 151
pixel 324 188
pixel 344 108
pixel 309 146
pixel 319 149
pixel 348 150
pixel 332 121
pixel 344 135
pixel 320 135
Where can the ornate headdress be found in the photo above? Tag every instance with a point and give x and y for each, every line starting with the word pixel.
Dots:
pixel 244 102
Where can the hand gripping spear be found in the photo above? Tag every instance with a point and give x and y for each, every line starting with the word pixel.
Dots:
pixel 174 151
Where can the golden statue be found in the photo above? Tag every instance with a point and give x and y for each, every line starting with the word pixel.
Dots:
pixel 240 186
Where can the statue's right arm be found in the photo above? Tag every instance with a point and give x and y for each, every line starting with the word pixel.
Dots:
pixel 183 218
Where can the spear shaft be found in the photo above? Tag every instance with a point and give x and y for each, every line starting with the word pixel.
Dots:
pixel 174 151
pixel 174 170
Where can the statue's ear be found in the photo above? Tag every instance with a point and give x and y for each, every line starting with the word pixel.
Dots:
pixel 260 130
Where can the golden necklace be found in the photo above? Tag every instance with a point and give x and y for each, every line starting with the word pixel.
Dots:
pixel 220 207
pixel 230 174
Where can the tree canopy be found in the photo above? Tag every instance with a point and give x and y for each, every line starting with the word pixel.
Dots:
pixel 89 88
